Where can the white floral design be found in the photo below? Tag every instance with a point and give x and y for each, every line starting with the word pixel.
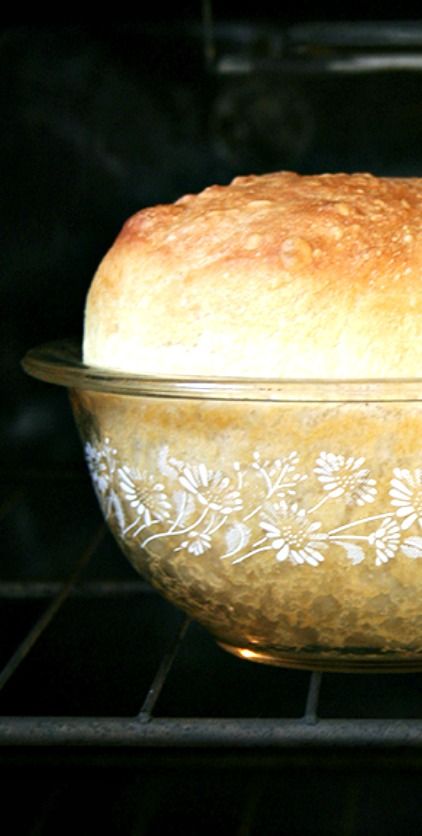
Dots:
pixel 406 493
pixel 280 477
pixel 101 464
pixel 354 553
pixel 184 506
pixel 197 542
pixel 260 506
pixel 341 476
pixel 212 488
pixel 412 547
pixel 386 540
pixel 292 535
pixel 237 537
pixel 144 494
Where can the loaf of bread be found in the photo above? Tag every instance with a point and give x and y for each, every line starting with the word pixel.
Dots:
pixel 273 276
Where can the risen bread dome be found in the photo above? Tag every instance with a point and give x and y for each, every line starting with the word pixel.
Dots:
pixel 280 276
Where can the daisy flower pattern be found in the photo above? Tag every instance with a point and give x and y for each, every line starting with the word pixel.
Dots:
pixel 100 461
pixel 386 540
pixel 406 496
pixel 212 488
pixel 261 505
pixel 341 476
pixel 146 496
pixel 197 543
pixel 292 535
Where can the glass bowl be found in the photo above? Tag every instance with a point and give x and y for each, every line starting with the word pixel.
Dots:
pixel 284 516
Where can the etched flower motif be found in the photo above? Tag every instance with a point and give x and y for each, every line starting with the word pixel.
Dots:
pixel 146 496
pixel 197 542
pixel 212 488
pixel 184 506
pixel 100 461
pixel 412 547
pixel 345 477
pixel 280 477
pixel 182 496
pixel 406 493
pixel 292 535
pixel 237 537
pixel 386 540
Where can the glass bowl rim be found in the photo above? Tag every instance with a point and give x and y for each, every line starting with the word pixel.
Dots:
pixel 60 362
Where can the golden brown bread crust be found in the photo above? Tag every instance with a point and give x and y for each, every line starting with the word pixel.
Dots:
pixel 279 276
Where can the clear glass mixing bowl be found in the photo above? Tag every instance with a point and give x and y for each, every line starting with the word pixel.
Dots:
pixel 284 516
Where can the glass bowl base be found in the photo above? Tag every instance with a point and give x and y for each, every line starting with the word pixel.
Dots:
pixel 337 661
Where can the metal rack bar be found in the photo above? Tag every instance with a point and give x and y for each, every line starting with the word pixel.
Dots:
pixel 40 625
pixel 312 699
pixel 164 669
pixel 33 590
pixel 348 64
pixel 396 34
pixel 319 47
pixel 208 732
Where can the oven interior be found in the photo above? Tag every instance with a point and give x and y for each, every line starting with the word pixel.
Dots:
pixel 117 714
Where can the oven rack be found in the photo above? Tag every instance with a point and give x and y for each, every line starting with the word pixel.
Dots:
pixel 184 691
pixel 242 47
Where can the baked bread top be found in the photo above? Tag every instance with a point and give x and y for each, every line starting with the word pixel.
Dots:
pixel 277 276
